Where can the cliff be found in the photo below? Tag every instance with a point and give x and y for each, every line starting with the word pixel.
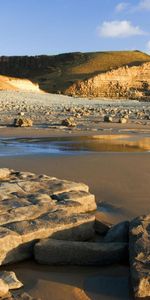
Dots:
pixel 126 82
pixel 122 74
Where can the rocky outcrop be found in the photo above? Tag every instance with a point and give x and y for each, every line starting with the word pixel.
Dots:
pixel 139 250
pixel 54 252
pixel 125 82
pixel 34 207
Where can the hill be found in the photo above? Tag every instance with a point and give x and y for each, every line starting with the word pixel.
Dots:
pixel 59 73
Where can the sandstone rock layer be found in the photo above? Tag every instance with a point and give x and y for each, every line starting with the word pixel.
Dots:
pixel 125 82
pixel 34 207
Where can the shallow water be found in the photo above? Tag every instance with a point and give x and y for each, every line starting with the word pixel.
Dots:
pixel 74 145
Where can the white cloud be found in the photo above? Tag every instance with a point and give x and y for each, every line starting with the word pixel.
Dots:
pixel 122 6
pixel 144 5
pixel 120 29
pixel 141 5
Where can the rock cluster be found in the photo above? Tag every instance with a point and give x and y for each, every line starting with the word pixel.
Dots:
pixel 62 112
pixel 53 221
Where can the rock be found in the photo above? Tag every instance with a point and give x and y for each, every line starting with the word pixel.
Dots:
pixel 56 252
pixel 11 280
pixel 123 120
pixel 101 227
pixel 118 233
pixel 69 122
pixel 34 207
pixel 3 288
pixel 139 253
pixel 21 113
pixel 23 122
pixel 108 118
pixel 4 173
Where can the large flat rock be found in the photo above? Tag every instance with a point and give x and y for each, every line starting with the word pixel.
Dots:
pixel 34 207
pixel 56 252
pixel 139 248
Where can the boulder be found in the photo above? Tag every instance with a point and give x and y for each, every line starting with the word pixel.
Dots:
pixel 118 233
pixel 123 120
pixel 69 122
pixel 23 122
pixel 11 280
pixel 139 253
pixel 56 252
pixel 34 207
pixel 108 119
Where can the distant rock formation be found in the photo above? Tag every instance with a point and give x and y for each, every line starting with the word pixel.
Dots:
pixel 126 82
pixel 114 74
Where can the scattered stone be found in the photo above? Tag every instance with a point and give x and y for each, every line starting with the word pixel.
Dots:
pixel 57 252
pixel 123 120
pixel 108 119
pixel 23 122
pixel 10 279
pixel 69 122
pixel 139 253
pixel 21 114
pixel 118 233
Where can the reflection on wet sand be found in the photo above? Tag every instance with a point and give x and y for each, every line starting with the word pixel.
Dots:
pixel 75 145
pixel 132 142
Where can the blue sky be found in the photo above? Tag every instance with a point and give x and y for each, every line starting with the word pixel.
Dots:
pixel 29 27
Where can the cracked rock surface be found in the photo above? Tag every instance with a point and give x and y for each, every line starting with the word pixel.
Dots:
pixel 34 207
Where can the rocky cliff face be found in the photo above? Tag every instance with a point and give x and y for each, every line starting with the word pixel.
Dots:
pixel 126 82
pixel 122 74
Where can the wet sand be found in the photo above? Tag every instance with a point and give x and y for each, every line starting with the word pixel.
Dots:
pixel 119 179
pixel 74 283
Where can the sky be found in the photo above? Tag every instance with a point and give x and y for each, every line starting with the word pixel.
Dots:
pixel 33 27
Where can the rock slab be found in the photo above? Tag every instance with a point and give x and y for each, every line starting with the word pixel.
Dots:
pixel 57 252
pixel 34 207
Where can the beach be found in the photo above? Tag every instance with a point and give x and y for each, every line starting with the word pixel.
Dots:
pixel 118 179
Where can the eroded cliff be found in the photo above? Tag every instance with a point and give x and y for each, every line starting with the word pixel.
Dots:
pixel 125 82
pixel 114 74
